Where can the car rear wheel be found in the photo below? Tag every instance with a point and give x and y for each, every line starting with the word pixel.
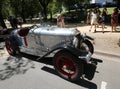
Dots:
pixel 68 66
pixel 10 47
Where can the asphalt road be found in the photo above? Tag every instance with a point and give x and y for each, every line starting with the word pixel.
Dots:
pixel 23 72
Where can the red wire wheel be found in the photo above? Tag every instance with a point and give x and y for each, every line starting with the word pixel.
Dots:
pixel 68 66
pixel 9 47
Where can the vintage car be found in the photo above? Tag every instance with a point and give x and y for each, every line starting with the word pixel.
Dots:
pixel 71 51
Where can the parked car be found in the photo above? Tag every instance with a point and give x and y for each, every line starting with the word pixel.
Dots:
pixel 70 50
pixel 75 16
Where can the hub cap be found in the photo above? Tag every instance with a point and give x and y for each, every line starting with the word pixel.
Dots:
pixel 66 66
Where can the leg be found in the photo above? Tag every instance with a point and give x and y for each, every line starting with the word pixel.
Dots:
pixel 115 27
pixel 103 26
pixel 90 27
pixel 112 27
pixel 95 27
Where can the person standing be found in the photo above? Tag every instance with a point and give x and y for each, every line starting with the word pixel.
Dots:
pixel 94 20
pixel 88 16
pixel 10 19
pixel 98 15
pixel 114 19
pixel 103 18
pixel 60 21
pixel 15 22
pixel 20 22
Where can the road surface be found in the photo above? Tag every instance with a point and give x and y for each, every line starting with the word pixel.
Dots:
pixel 23 72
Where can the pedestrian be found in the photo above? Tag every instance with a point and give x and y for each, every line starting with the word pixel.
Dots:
pixel 20 22
pixel 114 19
pixel 88 16
pixel 103 18
pixel 98 15
pixel 10 19
pixel 93 20
pixel 15 22
pixel 60 20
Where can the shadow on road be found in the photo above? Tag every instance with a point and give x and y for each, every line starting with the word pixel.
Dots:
pixel 23 62
pixel 81 82
pixel 19 64
pixel 14 66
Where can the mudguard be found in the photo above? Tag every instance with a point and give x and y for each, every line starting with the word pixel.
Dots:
pixel 76 52
pixel 88 37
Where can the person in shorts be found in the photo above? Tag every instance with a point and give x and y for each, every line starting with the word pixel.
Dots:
pixel 94 20
pixel 114 19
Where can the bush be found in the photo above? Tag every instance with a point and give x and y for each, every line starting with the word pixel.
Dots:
pixel 75 16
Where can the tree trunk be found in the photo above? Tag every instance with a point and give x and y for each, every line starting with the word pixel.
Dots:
pixel 50 15
pixel 23 10
pixel 44 4
pixel 2 23
pixel 45 13
pixel 23 17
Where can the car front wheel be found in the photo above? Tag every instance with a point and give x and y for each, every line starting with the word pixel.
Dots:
pixel 68 66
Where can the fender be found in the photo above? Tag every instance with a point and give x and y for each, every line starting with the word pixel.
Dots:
pixel 76 52
pixel 84 36
pixel 88 37
pixel 89 44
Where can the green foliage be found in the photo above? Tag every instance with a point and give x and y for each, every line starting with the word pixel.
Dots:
pixel 110 10
pixel 19 7
pixel 5 8
pixel 28 7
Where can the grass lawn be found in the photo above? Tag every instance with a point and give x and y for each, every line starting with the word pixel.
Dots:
pixel 109 9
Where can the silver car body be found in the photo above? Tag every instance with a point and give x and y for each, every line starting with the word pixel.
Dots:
pixel 40 40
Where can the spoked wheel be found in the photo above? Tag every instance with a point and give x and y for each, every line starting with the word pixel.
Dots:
pixel 10 47
pixel 87 46
pixel 67 66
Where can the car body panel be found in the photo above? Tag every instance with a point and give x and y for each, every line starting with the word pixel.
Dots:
pixel 41 39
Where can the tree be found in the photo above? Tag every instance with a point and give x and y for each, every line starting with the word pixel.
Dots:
pixel 25 8
pixel 44 5
pixel 53 8
pixel 18 8
pixel 33 8
pixel 118 3
pixel 2 23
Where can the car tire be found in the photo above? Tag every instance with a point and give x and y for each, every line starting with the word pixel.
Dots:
pixel 11 47
pixel 68 66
